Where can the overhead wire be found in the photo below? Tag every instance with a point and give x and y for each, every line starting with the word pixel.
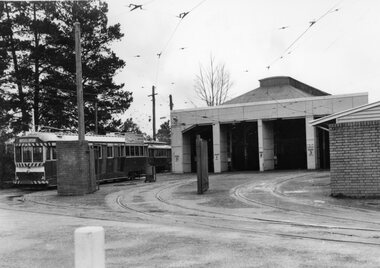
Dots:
pixel 311 24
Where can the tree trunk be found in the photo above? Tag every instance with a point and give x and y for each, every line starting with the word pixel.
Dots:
pixel 36 71
pixel 21 96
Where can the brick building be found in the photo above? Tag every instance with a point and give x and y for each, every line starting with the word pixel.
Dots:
pixel 263 129
pixel 354 150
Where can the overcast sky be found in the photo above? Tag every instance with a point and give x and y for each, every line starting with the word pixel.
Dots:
pixel 339 54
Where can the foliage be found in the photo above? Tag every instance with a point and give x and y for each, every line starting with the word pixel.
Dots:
pixel 213 83
pixel 130 126
pixel 164 132
pixel 39 52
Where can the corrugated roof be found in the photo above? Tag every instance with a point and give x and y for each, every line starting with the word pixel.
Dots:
pixel 278 88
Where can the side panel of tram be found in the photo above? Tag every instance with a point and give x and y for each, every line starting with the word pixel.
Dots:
pixel 119 161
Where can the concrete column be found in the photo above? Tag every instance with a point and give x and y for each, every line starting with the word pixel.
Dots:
pixel 177 150
pixel 261 143
pixel 223 148
pixel 216 147
pixel 310 144
pixel 266 145
pixel 186 150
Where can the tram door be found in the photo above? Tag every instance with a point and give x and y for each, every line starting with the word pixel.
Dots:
pixel 97 152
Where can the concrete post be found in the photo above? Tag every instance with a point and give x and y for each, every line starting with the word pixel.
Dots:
pixel 216 147
pixel 89 247
pixel 311 154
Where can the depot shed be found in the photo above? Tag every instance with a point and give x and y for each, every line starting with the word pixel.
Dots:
pixel 264 129
pixel 354 150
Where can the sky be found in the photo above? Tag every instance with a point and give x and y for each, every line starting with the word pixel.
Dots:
pixel 338 54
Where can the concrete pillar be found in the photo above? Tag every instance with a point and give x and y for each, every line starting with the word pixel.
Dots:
pixel 224 148
pixel 266 145
pixel 89 247
pixel 311 144
pixel 177 150
pixel 186 150
pixel 260 135
pixel 216 147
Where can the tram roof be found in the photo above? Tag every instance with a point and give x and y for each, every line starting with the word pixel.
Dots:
pixel 58 136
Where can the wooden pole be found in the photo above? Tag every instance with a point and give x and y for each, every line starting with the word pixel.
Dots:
pixel 154 111
pixel 78 65
pixel 171 102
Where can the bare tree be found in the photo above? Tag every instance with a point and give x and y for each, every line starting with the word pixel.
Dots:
pixel 213 83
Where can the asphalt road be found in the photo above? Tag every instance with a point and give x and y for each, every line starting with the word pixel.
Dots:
pixel 271 219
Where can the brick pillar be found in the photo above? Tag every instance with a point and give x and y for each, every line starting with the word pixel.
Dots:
pixel 74 174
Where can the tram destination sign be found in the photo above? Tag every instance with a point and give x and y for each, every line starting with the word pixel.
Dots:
pixel 28 140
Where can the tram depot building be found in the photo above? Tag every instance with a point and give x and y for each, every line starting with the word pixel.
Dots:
pixel 264 129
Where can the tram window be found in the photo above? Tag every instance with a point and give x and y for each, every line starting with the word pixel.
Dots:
pixel 116 151
pixel 48 153
pixel 27 154
pixel 37 154
pixel 127 150
pixel 98 151
pixel 122 153
pixel 109 151
pixel 132 150
pixel 141 153
pixel 54 153
pixel 18 154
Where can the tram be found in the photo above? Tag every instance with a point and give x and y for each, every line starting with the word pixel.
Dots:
pixel 116 156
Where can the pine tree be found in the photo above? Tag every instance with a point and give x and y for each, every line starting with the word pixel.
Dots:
pixel 43 41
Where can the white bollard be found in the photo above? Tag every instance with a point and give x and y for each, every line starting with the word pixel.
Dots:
pixel 89 247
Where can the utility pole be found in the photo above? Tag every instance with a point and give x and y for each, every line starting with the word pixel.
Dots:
pixel 78 65
pixel 96 116
pixel 153 111
pixel 171 102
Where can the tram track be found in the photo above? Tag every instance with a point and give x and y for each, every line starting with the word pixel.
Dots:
pixel 209 215
pixel 237 193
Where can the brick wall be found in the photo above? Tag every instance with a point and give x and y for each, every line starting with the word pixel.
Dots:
pixel 355 159
pixel 74 169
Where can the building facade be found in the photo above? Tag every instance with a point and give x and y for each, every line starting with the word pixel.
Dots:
pixel 264 129
pixel 354 150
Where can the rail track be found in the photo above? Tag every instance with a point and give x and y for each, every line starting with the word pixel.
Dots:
pixel 227 221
